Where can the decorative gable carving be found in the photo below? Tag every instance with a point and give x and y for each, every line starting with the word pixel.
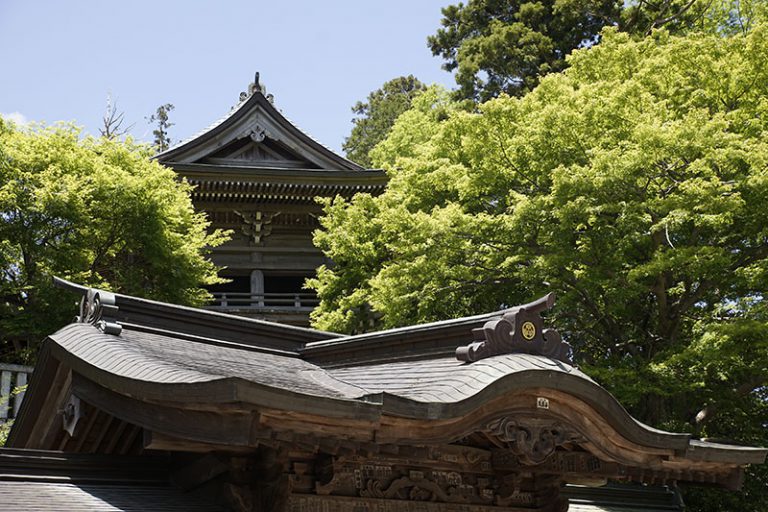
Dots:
pixel 519 330
pixel 532 440
pixel 255 148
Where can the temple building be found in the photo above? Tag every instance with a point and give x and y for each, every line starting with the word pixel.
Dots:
pixel 256 173
pixel 141 405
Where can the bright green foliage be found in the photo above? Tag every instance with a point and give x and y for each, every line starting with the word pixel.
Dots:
pixel 376 116
pixel 635 185
pixel 5 429
pixel 97 212
pixel 506 46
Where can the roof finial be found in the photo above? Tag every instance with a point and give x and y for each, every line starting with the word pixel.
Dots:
pixel 256 86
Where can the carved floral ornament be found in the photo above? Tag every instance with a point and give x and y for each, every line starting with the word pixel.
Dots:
pixel 521 329
pixel 98 308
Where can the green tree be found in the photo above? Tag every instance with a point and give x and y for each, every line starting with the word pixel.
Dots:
pixel 162 139
pixel 506 46
pixel 635 184
pixel 98 212
pixel 376 116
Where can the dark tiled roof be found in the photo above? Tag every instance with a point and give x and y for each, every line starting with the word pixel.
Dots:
pixel 181 356
pixel 446 379
pixel 34 480
pixel 58 496
pixel 622 498
pixel 163 359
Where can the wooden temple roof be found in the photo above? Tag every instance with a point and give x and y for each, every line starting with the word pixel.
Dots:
pixel 256 153
pixel 133 375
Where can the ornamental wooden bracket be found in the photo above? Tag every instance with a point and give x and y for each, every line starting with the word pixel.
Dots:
pixel 521 329
pixel 98 308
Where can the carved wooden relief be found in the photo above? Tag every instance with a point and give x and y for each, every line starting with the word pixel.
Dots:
pixel 299 503
pixel 531 440
pixel 450 478
pixel 257 225
pixel 519 330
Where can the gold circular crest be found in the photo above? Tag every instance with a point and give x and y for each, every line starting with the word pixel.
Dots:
pixel 528 330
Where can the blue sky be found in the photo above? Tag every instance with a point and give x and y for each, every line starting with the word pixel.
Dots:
pixel 60 59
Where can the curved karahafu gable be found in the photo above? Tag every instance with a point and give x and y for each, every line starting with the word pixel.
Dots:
pixel 393 415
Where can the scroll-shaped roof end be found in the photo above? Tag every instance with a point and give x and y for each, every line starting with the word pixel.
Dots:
pixel 97 307
pixel 521 329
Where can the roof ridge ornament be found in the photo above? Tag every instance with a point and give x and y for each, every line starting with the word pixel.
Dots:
pixel 521 329
pixel 98 308
pixel 256 86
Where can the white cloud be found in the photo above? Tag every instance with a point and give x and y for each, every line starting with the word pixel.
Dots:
pixel 16 117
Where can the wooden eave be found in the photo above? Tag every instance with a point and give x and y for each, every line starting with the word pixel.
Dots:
pixel 205 142
pixel 232 185
pixel 277 175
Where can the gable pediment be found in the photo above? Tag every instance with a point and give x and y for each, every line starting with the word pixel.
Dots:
pixel 257 150
pixel 255 134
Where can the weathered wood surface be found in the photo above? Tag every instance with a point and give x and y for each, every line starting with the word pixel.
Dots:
pixel 305 503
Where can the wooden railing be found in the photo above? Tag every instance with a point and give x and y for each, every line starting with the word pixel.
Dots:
pixel 13 379
pixel 281 301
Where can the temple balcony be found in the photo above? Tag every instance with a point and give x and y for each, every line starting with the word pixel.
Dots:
pixel 291 308
pixel 304 301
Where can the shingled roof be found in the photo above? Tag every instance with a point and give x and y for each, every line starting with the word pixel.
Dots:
pixel 196 380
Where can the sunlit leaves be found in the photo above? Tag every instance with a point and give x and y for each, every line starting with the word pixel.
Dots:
pixel 98 212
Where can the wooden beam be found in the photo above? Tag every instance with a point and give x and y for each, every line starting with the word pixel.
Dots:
pixel 82 436
pixel 130 438
pixel 45 403
pixel 116 435
pixel 231 429
pixel 102 434
pixel 158 441
pixel 198 472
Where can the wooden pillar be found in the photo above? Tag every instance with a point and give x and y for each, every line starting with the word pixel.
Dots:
pixel 257 288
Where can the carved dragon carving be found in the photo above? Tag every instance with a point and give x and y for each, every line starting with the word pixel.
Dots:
pixel 98 308
pixel 533 441
pixel 520 329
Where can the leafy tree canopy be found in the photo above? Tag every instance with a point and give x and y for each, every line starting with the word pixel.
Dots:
pixel 376 116
pixel 98 212
pixel 506 46
pixel 635 184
